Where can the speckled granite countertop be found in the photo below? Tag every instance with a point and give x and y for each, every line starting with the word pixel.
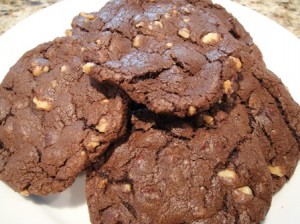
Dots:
pixel 284 12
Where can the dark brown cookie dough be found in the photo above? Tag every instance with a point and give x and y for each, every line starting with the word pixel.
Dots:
pixel 54 118
pixel 181 59
pixel 288 107
pixel 275 125
pixel 183 175
pixel 174 56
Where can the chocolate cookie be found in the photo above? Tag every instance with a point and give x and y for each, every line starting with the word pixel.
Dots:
pixel 54 118
pixel 273 118
pixel 172 56
pixel 183 174
pixel 274 115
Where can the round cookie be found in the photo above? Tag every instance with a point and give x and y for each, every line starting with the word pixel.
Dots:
pixel 175 57
pixel 54 119
pixel 274 115
pixel 183 175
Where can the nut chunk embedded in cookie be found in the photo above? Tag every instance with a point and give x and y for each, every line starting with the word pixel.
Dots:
pixel 212 175
pixel 54 119
pixel 173 56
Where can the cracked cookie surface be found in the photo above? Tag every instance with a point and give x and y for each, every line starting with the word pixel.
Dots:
pixel 184 174
pixel 174 56
pixel 272 113
pixel 168 52
pixel 161 35
pixel 54 118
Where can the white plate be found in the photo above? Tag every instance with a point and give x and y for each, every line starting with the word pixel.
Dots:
pixel 281 51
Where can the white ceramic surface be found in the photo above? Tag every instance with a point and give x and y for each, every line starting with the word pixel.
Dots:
pixel 281 52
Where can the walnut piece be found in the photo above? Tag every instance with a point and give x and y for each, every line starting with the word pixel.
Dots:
pixel 227 174
pixel 102 125
pixel 185 10
pixel 186 19
pixel 242 194
pixel 191 111
pixel 245 190
pixel 42 104
pixel 169 45
pixel 276 170
pixel 227 87
pixel 140 24
pixel 39 70
pixel 159 24
pixel 211 38
pixel 68 32
pixel 237 62
pixel 24 193
pixel 63 68
pixel 106 101
pixel 92 145
pixel 184 32
pixel 208 119
pixel 150 27
pixel 126 188
pixel 87 15
pixel 102 183
pixel 137 41
pixel 167 16
pixel 40 66
pixel 88 67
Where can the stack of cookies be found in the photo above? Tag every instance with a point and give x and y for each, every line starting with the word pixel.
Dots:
pixel 166 104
